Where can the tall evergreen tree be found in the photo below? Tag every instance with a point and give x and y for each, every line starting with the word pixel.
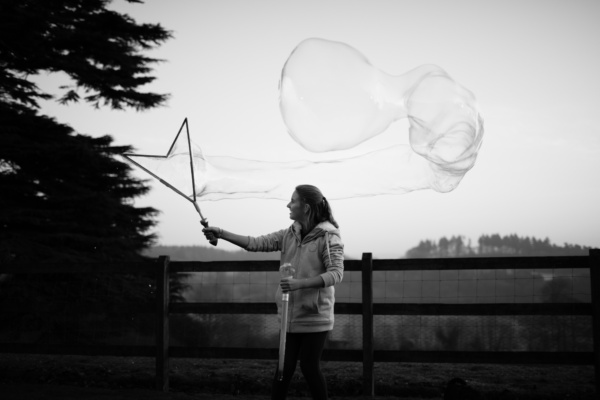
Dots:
pixel 64 197
pixel 99 49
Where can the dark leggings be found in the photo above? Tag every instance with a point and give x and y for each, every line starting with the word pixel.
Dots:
pixel 307 347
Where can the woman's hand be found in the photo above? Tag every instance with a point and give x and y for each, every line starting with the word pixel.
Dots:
pixel 290 284
pixel 212 232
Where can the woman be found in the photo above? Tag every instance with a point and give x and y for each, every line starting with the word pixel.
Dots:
pixel 313 246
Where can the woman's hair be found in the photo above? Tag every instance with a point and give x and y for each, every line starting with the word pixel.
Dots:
pixel 320 210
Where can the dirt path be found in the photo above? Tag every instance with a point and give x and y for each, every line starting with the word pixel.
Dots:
pixel 63 392
pixel 31 377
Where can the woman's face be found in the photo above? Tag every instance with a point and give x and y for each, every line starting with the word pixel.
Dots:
pixel 297 208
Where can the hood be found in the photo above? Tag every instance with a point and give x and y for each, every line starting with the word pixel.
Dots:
pixel 321 229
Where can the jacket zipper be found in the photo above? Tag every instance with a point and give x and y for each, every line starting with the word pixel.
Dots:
pixel 291 302
pixel 297 257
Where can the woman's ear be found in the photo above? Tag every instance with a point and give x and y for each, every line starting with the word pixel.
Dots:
pixel 306 208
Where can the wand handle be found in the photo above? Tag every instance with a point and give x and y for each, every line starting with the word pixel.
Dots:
pixel 204 223
pixel 214 240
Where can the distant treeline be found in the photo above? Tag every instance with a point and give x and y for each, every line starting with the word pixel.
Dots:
pixel 493 246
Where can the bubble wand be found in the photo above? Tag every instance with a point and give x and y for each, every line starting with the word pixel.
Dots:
pixel 176 151
pixel 286 271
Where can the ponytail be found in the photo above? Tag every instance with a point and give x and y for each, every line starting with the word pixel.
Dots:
pixel 328 213
pixel 320 210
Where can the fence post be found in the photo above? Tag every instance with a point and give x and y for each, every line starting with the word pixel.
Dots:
pixel 162 324
pixel 595 282
pixel 367 317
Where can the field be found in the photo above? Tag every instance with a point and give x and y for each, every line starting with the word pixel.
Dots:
pixel 87 377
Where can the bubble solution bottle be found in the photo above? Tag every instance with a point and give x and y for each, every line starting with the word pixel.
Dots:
pixel 286 271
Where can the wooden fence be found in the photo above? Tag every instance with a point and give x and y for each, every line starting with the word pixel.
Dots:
pixel 162 269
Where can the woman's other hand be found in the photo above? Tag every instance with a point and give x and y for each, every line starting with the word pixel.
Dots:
pixel 290 284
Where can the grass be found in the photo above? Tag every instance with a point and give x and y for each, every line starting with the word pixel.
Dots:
pixel 87 376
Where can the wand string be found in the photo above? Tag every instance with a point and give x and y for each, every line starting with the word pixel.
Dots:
pixel 203 220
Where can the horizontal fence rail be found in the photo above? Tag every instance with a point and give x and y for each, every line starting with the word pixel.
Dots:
pixel 162 269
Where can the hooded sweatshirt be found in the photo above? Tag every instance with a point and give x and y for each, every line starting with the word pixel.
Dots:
pixel 320 253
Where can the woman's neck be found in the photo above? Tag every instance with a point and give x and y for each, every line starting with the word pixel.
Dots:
pixel 305 228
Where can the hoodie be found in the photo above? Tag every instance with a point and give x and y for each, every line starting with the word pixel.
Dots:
pixel 320 253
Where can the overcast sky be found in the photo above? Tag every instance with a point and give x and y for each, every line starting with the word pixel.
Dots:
pixel 532 66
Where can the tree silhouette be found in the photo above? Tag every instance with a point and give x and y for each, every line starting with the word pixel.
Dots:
pixel 99 49
pixel 425 249
pixel 493 245
pixel 65 197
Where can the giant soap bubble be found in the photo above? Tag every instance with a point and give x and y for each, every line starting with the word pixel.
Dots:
pixel 332 98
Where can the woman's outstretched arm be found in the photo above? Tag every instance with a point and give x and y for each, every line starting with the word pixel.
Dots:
pixel 213 232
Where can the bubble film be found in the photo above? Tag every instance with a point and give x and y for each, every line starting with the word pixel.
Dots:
pixel 333 99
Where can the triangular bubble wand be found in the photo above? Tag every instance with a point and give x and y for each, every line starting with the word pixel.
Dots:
pixel 177 170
